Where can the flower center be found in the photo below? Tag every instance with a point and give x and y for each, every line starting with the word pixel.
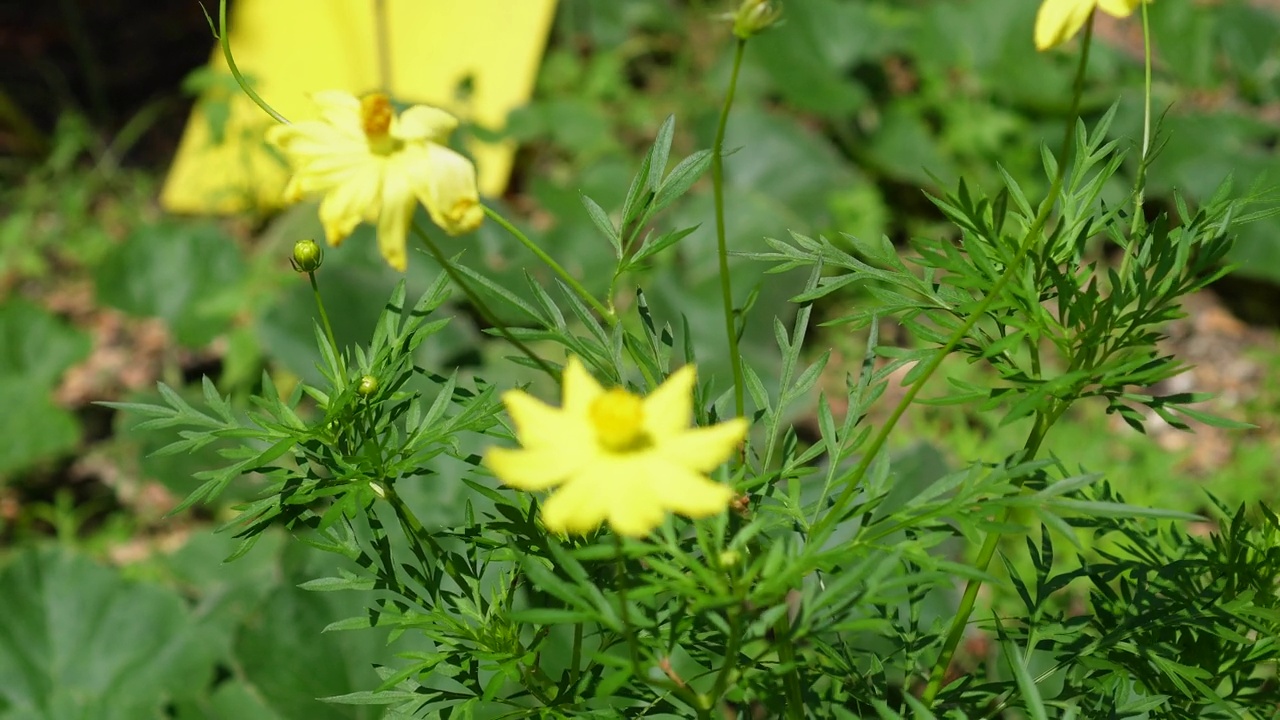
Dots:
pixel 618 418
pixel 376 115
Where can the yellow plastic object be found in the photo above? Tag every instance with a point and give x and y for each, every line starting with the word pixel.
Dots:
pixel 291 48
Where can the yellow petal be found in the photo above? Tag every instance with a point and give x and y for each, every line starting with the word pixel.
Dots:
pixel 689 493
pixel 321 157
pixel 634 518
pixel 669 409
pixel 294 190
pixel 398 204
pixel 346 205
pixel 1059 20
pixel 703 449
pixel 580 389
pixel 625 485
pixel 532 470
pixel 278 135
pixel 539 426
pixel 1118 8
pixel 577 507
pixel 339 109
pixel 423 122
pixel 451 196
pixel 306 142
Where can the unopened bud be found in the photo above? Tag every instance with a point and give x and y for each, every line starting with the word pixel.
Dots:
pixel 755 16
pixel 307 256
pixel 729 558
pixel 368 385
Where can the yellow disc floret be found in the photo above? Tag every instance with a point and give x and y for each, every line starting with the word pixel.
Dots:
pixel 618 419
pixel 375 115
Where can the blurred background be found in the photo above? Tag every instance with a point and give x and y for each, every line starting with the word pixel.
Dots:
pixel 845 114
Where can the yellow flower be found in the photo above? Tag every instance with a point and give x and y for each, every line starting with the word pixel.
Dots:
pixel 1059 20
pixel 616 456
pixel 370 164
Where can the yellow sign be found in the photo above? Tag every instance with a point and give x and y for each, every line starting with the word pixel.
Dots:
pixel 475 58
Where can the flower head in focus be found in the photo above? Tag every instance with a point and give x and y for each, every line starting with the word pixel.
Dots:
pixel 370 164
pixel 1059 20
pixel 616 457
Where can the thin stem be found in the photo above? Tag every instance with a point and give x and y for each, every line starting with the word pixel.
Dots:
pixel 324 318
pixel 550 262
pixel 1140 182
pixel 383 43
pixel 575 657
pixel 409 522
pixel 726 284
pixel 990 544
pixel 632 648
pixel 1146 83
pixel 479 304
pixel 837 508
pixel 787 654
pixel 730 655
pixel 241 80
pixel 1043 420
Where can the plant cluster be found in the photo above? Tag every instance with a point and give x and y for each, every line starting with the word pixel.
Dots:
pixel 736 568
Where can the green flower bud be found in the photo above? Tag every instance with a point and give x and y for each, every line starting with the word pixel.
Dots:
pixel 755 16
pixel 307 256
pixel 368 385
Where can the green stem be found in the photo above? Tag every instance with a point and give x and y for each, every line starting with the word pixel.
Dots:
pixel 324 319
pixel 837 508
pixel 1146 84
pixel 550 262
pixel 409 522
pixel 575 658
pixel 726 285
pixel 479 304
pixel 990 544
pixel 241 80
pixel 1043 420
pixel 787 654
pixel 684 692
pixel 732 644
pixel 1140 182
pixel 632 648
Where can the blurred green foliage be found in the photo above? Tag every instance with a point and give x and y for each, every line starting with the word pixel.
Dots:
pixel 35 349
pixel 195 639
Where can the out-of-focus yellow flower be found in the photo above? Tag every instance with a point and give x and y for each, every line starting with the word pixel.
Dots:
pixel 1059 20
pixel 616 457
pixel 370 164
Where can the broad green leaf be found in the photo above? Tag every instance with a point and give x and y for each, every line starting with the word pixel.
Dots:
pixel 290 663
pixel 36 430
pixel 77 640
pixel 36 346
pixel 190 275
